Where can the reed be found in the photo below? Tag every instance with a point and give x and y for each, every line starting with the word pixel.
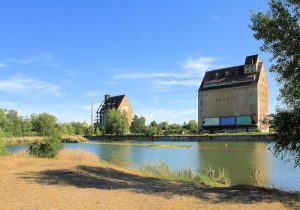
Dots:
pixel 29 139
pixel 77 155
pixel 163 171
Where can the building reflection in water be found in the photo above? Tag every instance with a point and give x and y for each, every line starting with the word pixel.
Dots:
pixel 244 162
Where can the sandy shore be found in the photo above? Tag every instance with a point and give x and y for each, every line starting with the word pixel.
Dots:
pixel 30 183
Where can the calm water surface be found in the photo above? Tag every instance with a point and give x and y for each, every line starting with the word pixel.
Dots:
pixel 245 162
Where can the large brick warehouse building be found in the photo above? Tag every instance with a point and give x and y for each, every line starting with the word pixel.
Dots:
pixel 234 99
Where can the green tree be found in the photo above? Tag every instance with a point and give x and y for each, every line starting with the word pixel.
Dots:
pixel 279 30
pixel 89 130
pixel 79 128
pixel 151 131
pixel 116 122
pixel 3 121
pixel 153 124
pixel 14 123
pixel 44 124
pixel 174 128
pixel 98 132
pixel 164 125
pixel 26 127
pixel 192 126
pixel 138 125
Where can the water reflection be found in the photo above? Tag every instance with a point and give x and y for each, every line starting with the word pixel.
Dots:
pixel 244 162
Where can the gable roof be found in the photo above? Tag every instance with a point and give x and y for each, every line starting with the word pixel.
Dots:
pixel 229 77
pixel 113 102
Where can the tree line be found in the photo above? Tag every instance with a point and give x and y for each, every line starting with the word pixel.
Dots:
pixel 117 123
pixel 43 124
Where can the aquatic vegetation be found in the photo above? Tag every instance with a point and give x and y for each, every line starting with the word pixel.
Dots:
pixel 163 171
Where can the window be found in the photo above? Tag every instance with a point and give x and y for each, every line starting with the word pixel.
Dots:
pixel 125 108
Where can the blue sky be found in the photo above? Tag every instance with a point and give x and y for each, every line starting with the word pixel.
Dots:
pixel 59 56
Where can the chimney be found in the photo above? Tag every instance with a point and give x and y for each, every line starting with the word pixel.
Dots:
pixel 106 97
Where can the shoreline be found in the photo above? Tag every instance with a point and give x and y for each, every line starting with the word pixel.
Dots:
pixel 62 184
pixel 183 138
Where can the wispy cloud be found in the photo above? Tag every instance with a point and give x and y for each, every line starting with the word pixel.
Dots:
pixel 190 69
pixel 179 82
pixel 91 93
pixel 20 85
pixel 44 59
pixel 3 65
pixel 172 116
pixel 72 73
pixel 111 83
pixel 215 17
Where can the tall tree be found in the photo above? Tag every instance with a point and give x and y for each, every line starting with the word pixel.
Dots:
pixel 44 124
pixel 138 125
pixel 116 122
pixel 279 30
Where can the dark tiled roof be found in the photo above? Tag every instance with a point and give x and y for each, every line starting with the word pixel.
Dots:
pixel 229 77
pixel 113 102
pixel 251 59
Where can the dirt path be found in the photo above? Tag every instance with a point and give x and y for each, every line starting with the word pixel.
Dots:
pixel 28 183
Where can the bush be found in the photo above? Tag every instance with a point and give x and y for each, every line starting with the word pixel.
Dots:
pixel 48 148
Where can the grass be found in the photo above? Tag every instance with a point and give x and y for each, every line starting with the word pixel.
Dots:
pixel 74 139
pixel 163 171
pixel 130 143
pixel 2 149
pixel 158 169
pixel 77 155
pixel 29 139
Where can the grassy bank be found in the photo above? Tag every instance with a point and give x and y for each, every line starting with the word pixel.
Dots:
pixel 28 139
pixel 134 143
pixel 187 175
pixel 70 182
pixel 158 170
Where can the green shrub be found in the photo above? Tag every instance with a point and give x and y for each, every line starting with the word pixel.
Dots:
pixel 48 148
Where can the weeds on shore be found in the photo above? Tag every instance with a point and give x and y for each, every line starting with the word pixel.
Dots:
pixel 205 177
pixel 73 139
pixel 29 139
pixel 77 155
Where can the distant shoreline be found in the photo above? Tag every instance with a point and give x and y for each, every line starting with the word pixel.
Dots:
pixel 199 137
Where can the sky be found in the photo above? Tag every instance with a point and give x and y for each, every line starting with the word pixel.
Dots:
pixel 60 56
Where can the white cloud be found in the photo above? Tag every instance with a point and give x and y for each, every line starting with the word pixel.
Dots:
pixel 72 73
pixel 20 85
pixel 132 76
pixel 111 83
pixel 44 59
pixel 190 83
pixel 215 17
pixel 171 116
pixel 3 65
pixel 190 69
pixel 91 93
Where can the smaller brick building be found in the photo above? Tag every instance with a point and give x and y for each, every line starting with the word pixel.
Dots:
pixel 120 102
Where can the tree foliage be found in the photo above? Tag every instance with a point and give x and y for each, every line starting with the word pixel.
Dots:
pixel 44 124
pixel 48 148
pixel 116 122
pixel 138 125
pixel 279 29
